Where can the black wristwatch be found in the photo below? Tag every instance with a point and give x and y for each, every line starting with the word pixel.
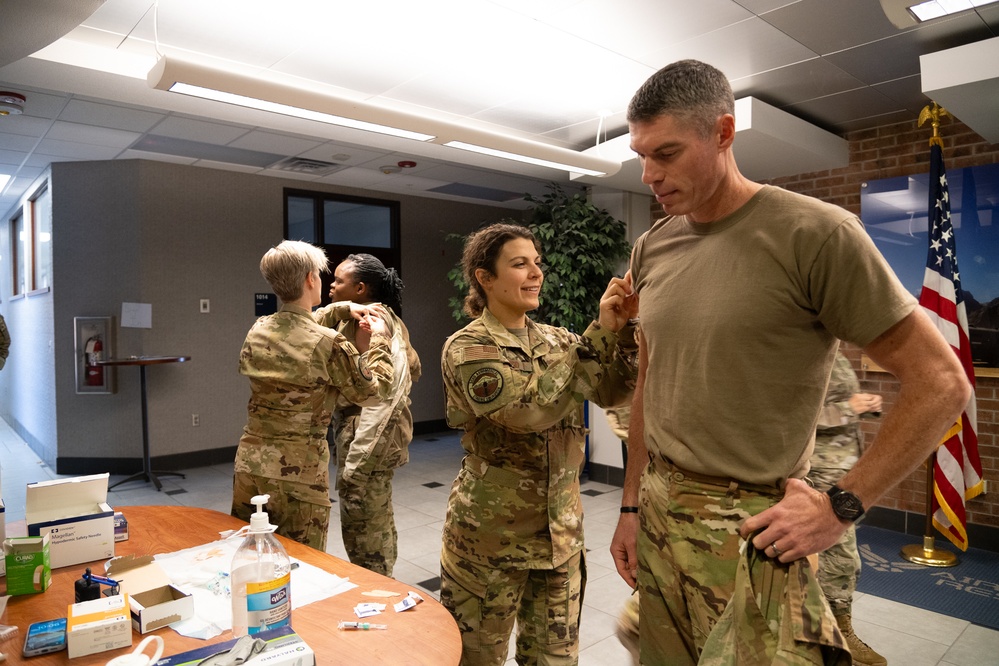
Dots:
pixel 845 504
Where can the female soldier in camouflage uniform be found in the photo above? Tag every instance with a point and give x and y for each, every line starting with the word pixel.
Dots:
pixel 513 535
pixel 297 370
pixel 371 442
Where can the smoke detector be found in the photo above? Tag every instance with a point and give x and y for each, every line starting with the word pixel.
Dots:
pixel 11 103
pixel 389 169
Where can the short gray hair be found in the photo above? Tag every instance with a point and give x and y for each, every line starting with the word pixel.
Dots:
pixel 286 265
pixel 692 91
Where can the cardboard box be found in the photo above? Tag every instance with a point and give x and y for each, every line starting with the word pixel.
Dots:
pixel 153 601
pixel 284 648
pixel 75 514
pixel 28 568
pixel 120 527
pixel 98 625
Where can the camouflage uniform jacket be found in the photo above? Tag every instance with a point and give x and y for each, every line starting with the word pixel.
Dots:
pixel 377 437
pixel 837 420
pixel 515 503
pixel 297 370
pixel 4 342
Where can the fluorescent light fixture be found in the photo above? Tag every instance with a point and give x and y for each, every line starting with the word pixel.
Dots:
pixel 312 102
pixel 187 78
pixel 3 180
pixel 908 13
pixel 274 107
pixel 483 150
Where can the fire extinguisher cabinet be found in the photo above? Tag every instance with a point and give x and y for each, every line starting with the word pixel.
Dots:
pixel 93 344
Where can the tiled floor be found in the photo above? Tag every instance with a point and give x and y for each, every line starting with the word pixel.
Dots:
pixel 905 635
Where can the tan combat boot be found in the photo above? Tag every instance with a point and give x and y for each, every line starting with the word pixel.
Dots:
pixel 863 654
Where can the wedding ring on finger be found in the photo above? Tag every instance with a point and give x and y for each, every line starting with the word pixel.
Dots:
pixel 777 551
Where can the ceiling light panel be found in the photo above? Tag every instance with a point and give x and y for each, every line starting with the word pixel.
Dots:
pixel 311 101
pixel 176 75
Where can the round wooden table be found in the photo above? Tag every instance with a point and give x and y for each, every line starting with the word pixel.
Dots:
pixel 422 636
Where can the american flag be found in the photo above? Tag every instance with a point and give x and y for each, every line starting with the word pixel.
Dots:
pixel 957 471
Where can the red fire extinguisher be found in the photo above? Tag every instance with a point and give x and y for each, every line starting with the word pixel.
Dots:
pixel 94 355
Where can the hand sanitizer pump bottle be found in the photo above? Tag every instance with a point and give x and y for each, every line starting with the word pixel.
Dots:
pixel 260 578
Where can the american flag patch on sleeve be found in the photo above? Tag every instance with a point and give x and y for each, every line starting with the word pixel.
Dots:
pixel 477 353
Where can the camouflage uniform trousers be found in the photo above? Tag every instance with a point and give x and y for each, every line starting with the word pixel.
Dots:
pixel 689 553
pixel 486 601
pixel 297 509
pixel 839 565
pixel 367 521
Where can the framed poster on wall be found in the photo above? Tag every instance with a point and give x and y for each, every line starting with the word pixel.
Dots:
pixel 93 344
pixel 895 212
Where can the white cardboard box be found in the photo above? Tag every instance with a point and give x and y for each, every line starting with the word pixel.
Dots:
pixel 76 515
pixel 98 625
pixel 153 601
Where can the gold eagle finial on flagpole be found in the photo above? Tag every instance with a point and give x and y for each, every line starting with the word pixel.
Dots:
pixel 933 113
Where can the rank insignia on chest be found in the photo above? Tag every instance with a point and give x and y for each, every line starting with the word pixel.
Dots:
pixel 485 385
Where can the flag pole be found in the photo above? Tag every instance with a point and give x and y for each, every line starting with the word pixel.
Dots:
pixel 928 554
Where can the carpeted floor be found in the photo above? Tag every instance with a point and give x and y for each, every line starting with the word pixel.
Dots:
pixel 968 591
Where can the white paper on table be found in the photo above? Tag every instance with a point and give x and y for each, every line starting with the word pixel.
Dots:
pixel 193 568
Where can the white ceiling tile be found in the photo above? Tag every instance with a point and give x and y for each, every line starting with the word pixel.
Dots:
pixel 198 130
pixel 355 177
pixel 98 136
pixel 343 154
pixel 17 142
pixel 39 161
pixel 73 150
pixel 109 115
pixel 735 49
pixel 11 157
pixel 24 125
pixel 662 22
pixel 39 104
pixel 99 37
pixel 119 17
pixel 269 142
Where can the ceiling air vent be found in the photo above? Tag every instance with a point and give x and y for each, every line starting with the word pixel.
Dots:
pixel 310 167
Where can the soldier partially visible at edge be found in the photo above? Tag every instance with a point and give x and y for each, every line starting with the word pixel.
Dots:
pixel 372 441
pixel 4 342
pixel 838 445
pixel 513 534
pixel 743 290
pixel 297 370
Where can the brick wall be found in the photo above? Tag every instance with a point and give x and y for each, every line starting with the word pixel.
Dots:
pixel 902 149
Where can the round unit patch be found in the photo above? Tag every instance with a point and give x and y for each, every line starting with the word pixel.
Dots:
pixel 485 385
pixel 363 368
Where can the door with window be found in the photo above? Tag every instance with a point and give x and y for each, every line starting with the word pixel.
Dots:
pixel 343 225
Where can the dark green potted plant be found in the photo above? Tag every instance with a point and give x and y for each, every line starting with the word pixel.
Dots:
pixel 582 247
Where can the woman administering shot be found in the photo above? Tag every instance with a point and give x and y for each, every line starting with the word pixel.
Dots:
pixel 513 535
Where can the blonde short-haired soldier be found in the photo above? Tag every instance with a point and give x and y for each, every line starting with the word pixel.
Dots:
pixel 297 370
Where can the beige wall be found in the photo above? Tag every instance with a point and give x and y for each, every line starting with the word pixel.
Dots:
pixel 170 235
